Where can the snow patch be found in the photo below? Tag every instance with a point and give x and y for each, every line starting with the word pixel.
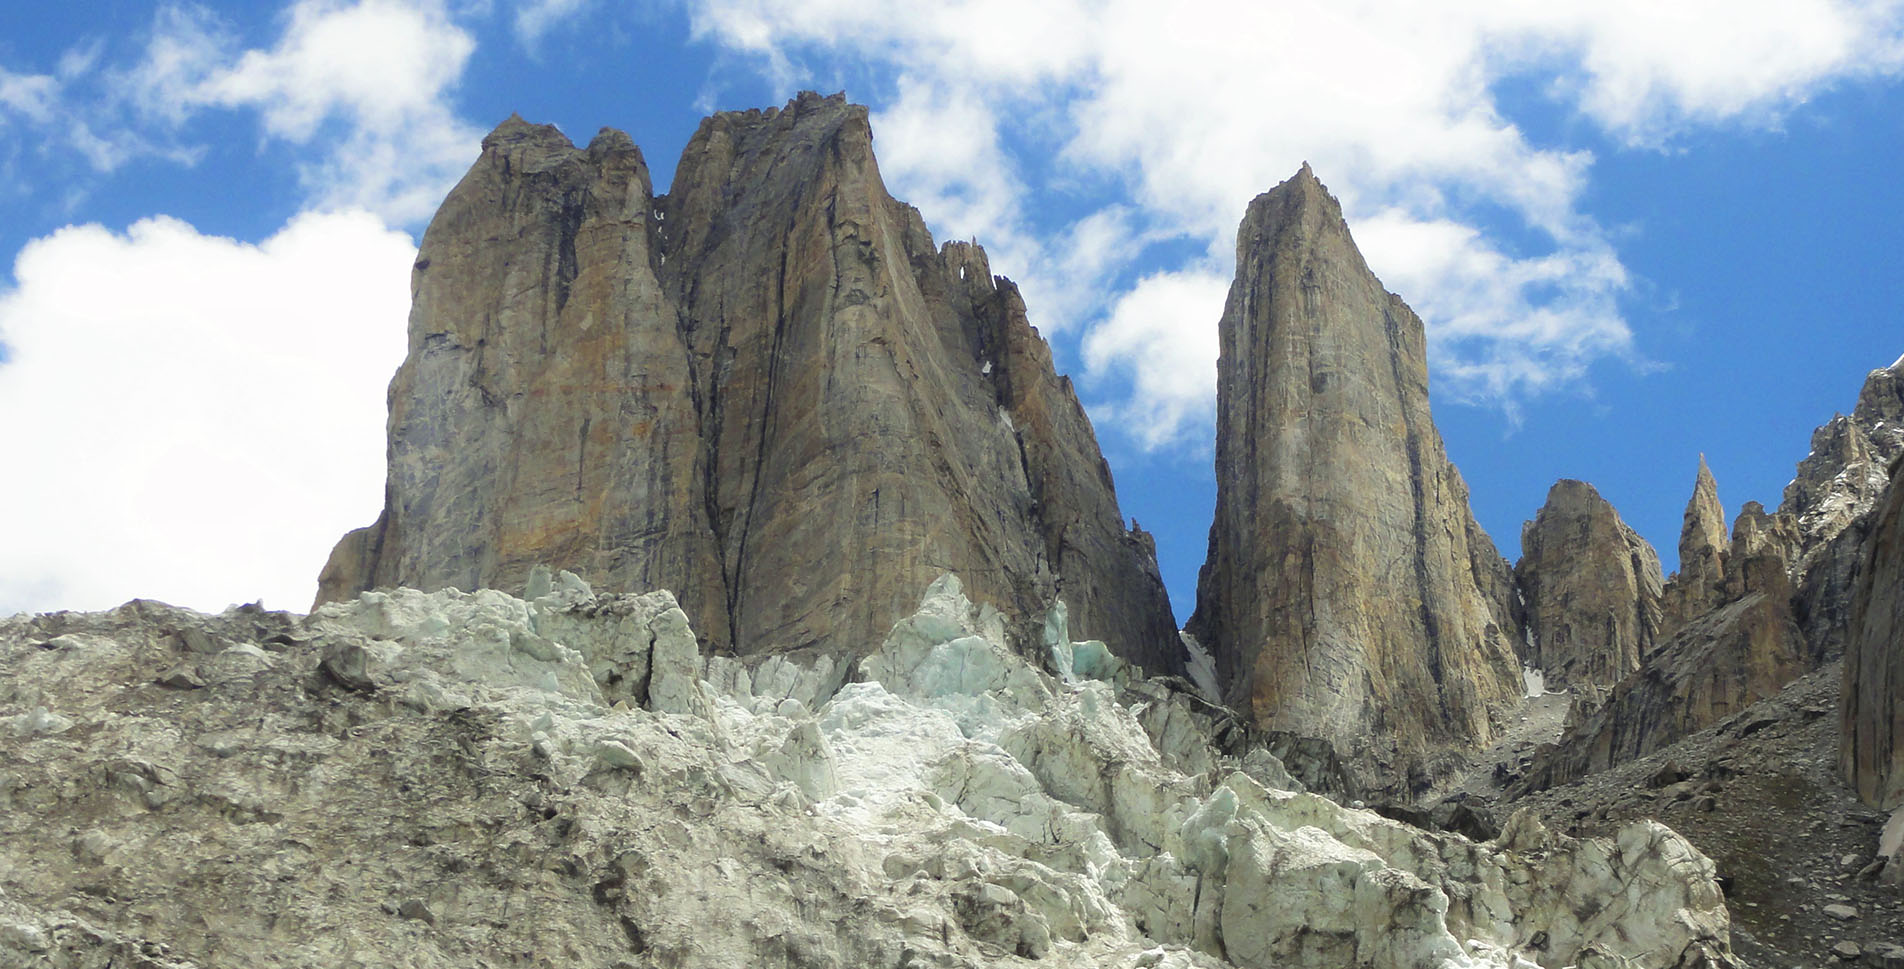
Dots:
pixel 1202 668
pixel 1535 680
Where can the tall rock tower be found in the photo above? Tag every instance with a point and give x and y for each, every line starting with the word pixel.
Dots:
pixel 1348 592
pixel 766 390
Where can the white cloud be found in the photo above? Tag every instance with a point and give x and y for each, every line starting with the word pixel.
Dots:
pixel 1195 110
pixel 534 18
pixel 1161 337
pixel 1644 69
pixel 369 82
pixel 30 96
pixel 194 418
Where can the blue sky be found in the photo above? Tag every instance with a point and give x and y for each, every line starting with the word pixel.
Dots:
pixel 1637 231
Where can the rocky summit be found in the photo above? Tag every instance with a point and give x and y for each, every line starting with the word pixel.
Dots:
pixel 1348 593
pixel 1590 586
pixel 766 390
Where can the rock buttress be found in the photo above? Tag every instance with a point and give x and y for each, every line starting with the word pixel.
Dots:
pixel 1348 593
pixel 1592 588
pixel 809 411
pixel 545 412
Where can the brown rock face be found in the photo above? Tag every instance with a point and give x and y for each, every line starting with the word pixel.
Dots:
pixel 1592 588
pixel 1720 663
pixel 767 391
pixel 1348 593
pixel 1871 754
pixel 1695 588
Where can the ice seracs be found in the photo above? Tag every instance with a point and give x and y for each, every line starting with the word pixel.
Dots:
pixel 436 778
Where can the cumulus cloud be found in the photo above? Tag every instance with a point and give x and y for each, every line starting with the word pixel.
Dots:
pixel 369 83
pixel 1193 113
pixel 1159 335
pixel 193 418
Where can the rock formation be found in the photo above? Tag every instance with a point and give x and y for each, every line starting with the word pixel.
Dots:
pixel 1744 618
pixel 454 779
pixel 1591 587
pixel 1832 494
pixel 766 390
pixel 1348 592
pixel 1695 587
pixel 1845 472
pixel 1744 647
pixel 1709 669
pixel 1872 716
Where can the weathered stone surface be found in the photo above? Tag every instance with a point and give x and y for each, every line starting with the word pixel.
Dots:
pixel 483 802
pixel 766 390
pixel 1871 754
pixel 1711 668
pixel 1832 496
pixel 1845 471
pixel 1696 587
pixel 1591 586
pixel 1348 593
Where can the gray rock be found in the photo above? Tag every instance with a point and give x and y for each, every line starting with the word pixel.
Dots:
pixel 1843 913
pixel 1886 956
pixel 1348 593
pixel 767 390
pixel 1592 590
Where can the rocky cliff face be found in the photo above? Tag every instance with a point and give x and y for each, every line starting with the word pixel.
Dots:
pixel 453 779
pixel 1348 593
pixel 766 389
pixel 1832 495
pixel 1872 715
pixel 1709 669
pixel 1741 619
pixel 1591 587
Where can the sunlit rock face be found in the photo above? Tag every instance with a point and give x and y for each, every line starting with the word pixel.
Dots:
pixel 1591 588
pixel 1348 592
pixel 447 779
pixel 767 390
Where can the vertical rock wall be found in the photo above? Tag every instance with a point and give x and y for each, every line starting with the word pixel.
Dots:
pixel 1348 593
pixel 767 390
pixel 1592 588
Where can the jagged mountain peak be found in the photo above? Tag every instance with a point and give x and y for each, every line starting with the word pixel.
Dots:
pixel 1348 592
pixel 1591 589
pixel 769 390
